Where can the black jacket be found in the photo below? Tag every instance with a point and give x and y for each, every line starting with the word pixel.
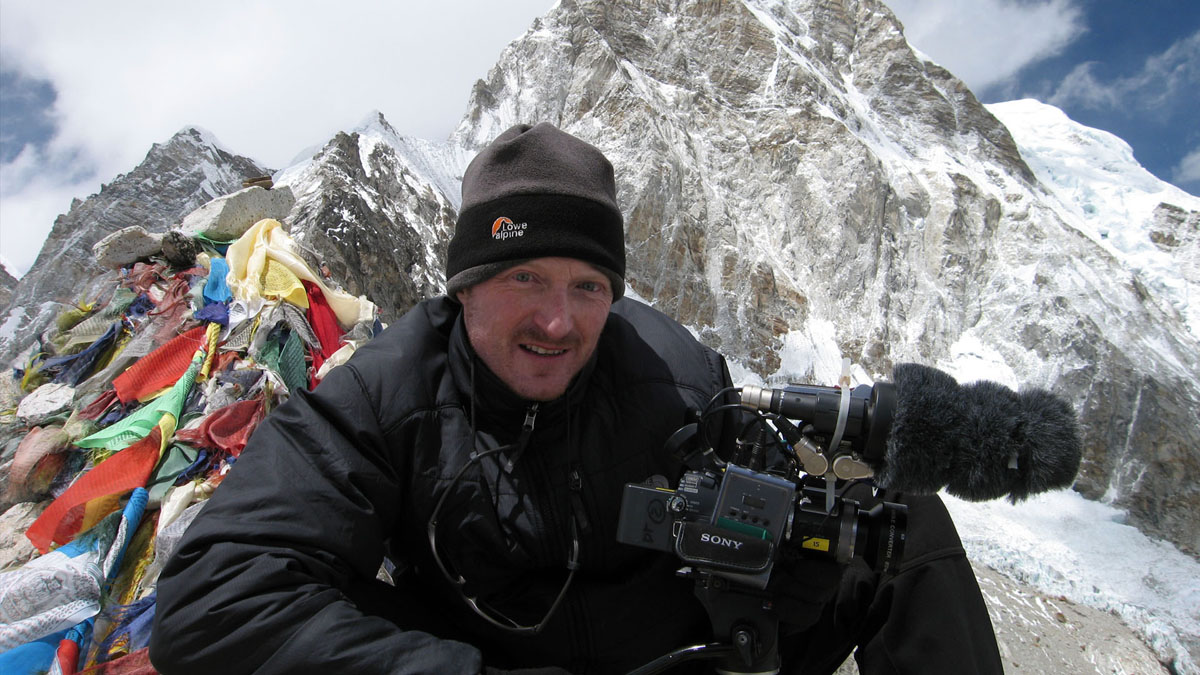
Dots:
pixel 278 573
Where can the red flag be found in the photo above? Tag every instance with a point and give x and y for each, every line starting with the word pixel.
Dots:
pixel 226 429
pixel 160 368
pixel 120 473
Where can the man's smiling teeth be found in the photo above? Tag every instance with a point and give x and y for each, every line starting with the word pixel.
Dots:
pixel 542 352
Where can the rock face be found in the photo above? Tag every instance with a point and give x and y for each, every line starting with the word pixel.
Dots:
pixel 763 153
pixel 793 173
pixel 175 178
pixel 378 210
pixel 7 284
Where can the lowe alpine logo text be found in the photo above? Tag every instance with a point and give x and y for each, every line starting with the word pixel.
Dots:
pixel 720 541
pixel 503 228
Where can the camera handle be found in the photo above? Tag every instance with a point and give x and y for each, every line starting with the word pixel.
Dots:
pixel 741 616
pixel 711 651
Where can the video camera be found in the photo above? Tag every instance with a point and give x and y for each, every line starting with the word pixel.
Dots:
pixel 729 522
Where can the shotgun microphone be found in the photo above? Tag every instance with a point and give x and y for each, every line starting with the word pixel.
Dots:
pixel 923 432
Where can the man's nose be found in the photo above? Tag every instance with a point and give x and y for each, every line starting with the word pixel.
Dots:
pixel 554 316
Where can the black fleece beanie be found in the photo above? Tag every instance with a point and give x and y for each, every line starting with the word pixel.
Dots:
pixel 536 192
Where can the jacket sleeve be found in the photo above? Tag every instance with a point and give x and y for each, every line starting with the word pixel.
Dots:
pixel 262 580
pixel 934 621
pixel 931 616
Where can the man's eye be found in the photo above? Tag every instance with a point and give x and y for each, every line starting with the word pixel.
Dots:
pixel 522 277
pixel 591 286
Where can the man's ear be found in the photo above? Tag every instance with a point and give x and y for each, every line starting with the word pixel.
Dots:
pixel 463 295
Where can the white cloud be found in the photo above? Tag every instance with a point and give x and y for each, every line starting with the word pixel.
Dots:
pixel 1187 173
pixel 986 42
pixel 1082 87
pixel 32 194
pixel 1170 76
pixel 267 78
pixel 264 77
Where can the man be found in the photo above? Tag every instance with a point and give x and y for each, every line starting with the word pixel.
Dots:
pixel 480 445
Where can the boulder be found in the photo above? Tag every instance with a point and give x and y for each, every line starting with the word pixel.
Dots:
pixel 45 402
pixel 36 462
pixel 227 218
pixel 127 246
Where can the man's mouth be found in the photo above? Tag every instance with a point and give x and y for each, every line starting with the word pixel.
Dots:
pixel 540 351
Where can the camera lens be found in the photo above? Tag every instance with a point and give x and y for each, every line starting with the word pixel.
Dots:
pixel 876 535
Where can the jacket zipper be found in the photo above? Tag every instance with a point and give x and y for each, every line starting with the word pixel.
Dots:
pixel 557 540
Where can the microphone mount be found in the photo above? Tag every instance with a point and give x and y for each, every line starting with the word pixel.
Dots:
pixel 852 425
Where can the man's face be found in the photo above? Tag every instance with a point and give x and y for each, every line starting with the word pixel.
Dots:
pixel 537 323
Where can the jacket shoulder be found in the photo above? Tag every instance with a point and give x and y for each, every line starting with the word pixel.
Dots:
pixel 423 328
pixel 649 345
pixel 405 366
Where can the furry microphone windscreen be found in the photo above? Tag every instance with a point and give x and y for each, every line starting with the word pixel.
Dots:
pixel 980 441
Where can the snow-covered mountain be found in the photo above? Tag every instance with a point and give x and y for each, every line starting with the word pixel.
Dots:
pixel 378 209
pixel 1149 225
pixel 799 186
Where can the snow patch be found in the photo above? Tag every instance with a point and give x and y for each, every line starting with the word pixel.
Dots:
pixel 1063 544
pixel 810 354
pixel 971 360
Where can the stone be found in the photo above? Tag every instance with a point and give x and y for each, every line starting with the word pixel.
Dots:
pixel 227 218
pixel 45 402
pixel 15 548
pixel 179 249
pixel 265 182
pixel 1037 633
pixel 36 462
pixel 127 246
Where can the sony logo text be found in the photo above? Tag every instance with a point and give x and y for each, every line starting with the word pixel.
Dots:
pixel 720 541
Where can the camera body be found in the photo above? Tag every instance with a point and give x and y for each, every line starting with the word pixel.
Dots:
pixel 730 522
pixel 734 519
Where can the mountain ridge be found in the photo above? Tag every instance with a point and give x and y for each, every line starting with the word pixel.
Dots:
pixel 175 178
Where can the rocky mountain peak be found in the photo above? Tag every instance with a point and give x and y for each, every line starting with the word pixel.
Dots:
pixel 823 105
pixel 7 284
pixel 373 205
pixel 174 179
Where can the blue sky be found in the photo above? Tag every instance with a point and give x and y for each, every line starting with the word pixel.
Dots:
pixel 86 88
pixel 1129 67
